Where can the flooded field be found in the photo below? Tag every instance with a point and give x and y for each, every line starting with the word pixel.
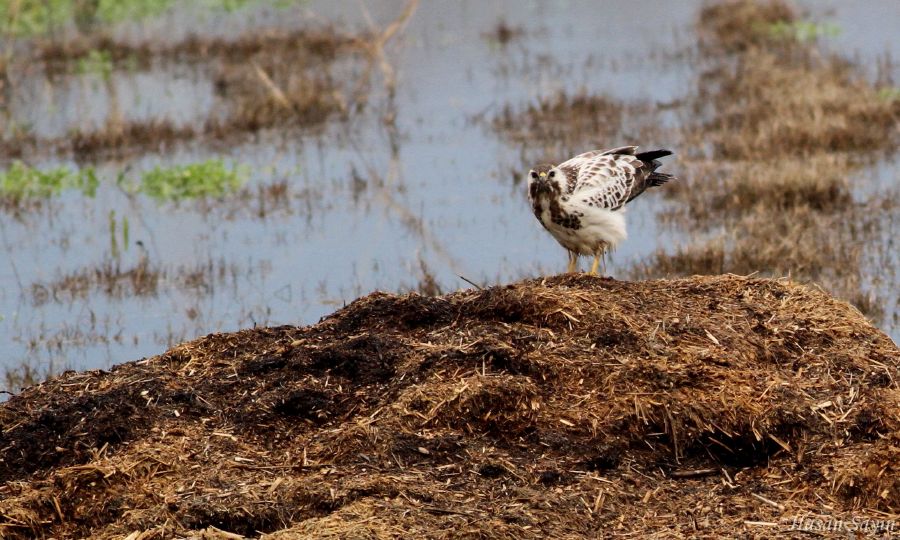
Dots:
pixel 193 167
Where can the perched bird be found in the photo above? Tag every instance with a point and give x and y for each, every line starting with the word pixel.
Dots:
pixel 581 201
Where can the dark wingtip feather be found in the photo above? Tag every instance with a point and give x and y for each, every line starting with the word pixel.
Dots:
pixel 658 179
pixel 653 154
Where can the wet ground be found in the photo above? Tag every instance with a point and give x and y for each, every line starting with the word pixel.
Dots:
pixel 356 184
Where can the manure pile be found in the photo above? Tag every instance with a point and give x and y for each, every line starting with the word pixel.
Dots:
pixel 567 407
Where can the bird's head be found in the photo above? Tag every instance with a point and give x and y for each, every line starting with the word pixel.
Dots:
pixel 544 179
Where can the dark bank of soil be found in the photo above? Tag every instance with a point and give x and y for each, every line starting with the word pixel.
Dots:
pixel 571 406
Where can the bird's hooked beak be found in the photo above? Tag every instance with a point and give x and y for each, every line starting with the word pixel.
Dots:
pixel 541 184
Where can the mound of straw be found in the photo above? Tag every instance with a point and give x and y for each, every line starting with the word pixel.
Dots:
pixel 567 407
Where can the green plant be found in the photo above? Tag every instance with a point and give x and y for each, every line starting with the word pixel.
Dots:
pixel 23 18
pixel 889 94
pixel 802 31
pixel 96 62
pixel 123 10
pixel 113 236
pixel 19 18
pixel 209 178
pixel 21 181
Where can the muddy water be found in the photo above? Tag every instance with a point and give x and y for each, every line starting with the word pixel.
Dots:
pixel 368 204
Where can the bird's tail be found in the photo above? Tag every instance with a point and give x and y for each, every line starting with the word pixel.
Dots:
pixel 658 179
pixel 647 157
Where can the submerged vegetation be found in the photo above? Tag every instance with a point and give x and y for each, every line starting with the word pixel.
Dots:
pixel 144 278
pixel 180 182
pixel 21 182
pixel 23 18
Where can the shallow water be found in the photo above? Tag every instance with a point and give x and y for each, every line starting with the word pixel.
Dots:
pixel 367 208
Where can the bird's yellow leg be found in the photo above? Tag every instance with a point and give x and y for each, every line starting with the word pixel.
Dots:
pixel 598 258
pixel 573 262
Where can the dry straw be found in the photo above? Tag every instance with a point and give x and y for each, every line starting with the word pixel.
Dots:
pixel 568 406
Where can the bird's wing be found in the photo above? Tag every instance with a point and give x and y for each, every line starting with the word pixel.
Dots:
pixel 580 158
pixel 609 180
pixel 581 170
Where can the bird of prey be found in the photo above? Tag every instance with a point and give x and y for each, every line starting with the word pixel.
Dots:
pixel 581 201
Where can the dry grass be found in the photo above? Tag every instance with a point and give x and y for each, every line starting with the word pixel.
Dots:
pixel 716 191
pixel 568 122
pixel 767 107
pixel 738 25
pixel 788 130
pixel 697 258
pixel 567 406
pixel 152 135
pixel 801 241
pixel 308 104
pixel 22 377
pixel 323 44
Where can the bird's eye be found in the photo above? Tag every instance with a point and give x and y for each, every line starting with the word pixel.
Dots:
pixel 534 175
pixel 552 174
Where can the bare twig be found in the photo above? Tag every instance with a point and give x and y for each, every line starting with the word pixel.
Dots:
pixel 770 502
pixel 696 473
pixel 470 282
pixel 276 92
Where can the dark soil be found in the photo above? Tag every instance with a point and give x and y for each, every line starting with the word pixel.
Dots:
pixel 570 406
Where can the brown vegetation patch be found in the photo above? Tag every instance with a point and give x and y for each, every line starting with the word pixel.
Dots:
pixel 264 80
pixel 322 44
pixel 714 192
pixel 262 200
pixel 800 241
pixel 788 129
pixel 152 135
pixel 142 279
pixel 569 122
pixel 275 94
pixel 738 25
pixel 308 105
pixel 767 106
pixel 568 405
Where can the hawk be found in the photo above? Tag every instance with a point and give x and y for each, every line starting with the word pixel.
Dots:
pixel 581 201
